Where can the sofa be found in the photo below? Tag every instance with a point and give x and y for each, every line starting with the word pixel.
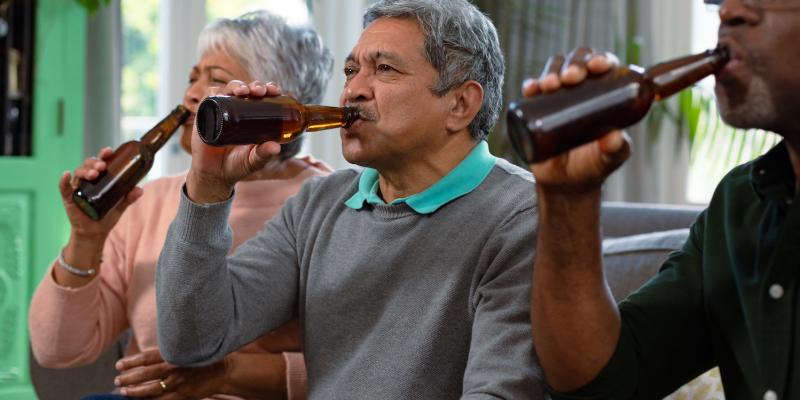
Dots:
pixel 638 238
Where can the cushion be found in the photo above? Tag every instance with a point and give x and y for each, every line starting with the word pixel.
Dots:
pixel 630 261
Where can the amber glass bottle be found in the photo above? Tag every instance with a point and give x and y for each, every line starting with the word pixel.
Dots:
pixel 127 166
pixel 548 125
pixel 224 120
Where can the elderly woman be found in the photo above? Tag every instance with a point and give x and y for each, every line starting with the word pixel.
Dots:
pixel 74 318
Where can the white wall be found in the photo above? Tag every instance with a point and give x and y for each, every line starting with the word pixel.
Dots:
pixel 180 22
pixel 339 24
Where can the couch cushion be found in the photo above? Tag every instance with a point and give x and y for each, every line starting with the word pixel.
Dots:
pixel 630 261
pixel 626 219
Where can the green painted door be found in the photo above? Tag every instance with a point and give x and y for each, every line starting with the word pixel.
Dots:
pixel 32 222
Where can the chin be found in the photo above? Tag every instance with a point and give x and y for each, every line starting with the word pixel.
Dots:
pixel 747 107
pixel 186 138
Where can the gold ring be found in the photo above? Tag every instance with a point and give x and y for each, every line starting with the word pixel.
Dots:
pixel 163 385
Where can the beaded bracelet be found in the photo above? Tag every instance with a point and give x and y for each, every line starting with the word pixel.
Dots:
pixel 73 270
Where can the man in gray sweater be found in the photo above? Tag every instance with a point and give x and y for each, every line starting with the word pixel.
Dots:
pixel 411 277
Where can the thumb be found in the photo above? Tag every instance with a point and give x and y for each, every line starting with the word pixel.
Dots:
pixel 615 148
pixel 263 152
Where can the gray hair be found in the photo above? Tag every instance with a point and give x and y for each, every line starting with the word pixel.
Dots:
pixel 461 43
pixel 272 50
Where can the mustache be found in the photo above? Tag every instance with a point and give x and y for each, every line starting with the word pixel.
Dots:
pixel 364 113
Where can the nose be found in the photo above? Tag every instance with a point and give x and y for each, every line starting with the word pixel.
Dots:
pixel 194 93
pixel 738 12
pixel 358 89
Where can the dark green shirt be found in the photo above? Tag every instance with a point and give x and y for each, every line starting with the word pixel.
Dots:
pixel 727 298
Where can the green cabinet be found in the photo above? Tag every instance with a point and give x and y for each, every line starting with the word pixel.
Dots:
pixel 33 226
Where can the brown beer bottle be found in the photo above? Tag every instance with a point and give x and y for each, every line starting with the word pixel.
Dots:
pixel 224 120
pixel 129 163
pixel 548 125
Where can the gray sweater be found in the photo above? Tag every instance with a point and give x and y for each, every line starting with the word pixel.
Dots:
pixel 393 304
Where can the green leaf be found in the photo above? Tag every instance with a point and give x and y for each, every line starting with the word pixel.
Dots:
pixel 92 5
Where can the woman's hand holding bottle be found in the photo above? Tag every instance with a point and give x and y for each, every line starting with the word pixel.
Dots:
pixel 87 236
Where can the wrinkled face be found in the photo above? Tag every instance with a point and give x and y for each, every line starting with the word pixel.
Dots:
pixel 215 69
pixel 758 88
pixel 390 80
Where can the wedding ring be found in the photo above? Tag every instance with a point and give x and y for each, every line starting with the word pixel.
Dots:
pixel 163 385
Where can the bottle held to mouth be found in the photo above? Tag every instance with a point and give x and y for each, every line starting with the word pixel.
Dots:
pixel 129 163
pixel 551 124
pixel 227 120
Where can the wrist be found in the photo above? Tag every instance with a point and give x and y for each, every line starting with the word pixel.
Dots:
pixel 84 250
pixel 557 198
pixel 204 189
pixel 254 374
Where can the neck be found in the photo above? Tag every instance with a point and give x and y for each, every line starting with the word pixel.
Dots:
pixel 793 145
pixel 279 169
pixel 414 175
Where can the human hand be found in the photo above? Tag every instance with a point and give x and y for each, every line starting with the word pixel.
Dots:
pixel 586 167
pixel 83 227
pixel 147 375
pixel 285 338
pixel 258 375
pixel 215 170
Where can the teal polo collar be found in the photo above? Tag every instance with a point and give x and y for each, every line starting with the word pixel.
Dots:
pixel 464 178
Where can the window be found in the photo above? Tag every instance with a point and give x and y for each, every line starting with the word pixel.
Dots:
pixel 141 48
pixel 717 147
pixel 139 67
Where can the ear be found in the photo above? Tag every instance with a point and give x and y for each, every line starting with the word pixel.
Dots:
pixel 467 100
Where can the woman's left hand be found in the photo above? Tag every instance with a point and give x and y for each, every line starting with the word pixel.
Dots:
pixel 147 375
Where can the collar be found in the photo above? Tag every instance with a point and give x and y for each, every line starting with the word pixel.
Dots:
pixel 772 176
pixel 464 178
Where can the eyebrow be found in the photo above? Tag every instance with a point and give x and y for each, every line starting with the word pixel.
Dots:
pixel 213 67
pixel 378 55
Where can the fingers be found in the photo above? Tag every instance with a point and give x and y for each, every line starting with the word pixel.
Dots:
pixel 255 89
pixel 273 89
pixel 64 186
pixel 92 167
pixel 139 359
pixel 601 63
pixel 105 153
pixel 574 69
pixel 549 80
pixel 151 388
pixel 141 375
pixel 569 71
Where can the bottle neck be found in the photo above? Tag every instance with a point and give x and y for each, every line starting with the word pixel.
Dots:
pixel 325 117
pixel 159 134
pixel 670 77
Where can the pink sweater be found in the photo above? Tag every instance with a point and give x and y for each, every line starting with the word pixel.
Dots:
pixel 72 327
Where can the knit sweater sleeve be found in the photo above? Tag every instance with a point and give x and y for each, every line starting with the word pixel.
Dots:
pixel 70 327
pixel 499 364
pixel 209 305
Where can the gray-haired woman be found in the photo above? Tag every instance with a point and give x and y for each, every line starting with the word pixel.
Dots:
pixel 74 317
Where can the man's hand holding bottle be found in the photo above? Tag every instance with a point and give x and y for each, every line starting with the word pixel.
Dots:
pixel 215 170
pixel 586 167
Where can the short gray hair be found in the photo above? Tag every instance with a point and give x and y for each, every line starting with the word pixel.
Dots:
pixel 270 49
pixel 461 43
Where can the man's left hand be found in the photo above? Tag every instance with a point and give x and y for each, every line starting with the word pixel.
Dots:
pixel 146 374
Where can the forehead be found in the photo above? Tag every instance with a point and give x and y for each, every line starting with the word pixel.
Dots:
pixel 401 37
pixel 221 61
